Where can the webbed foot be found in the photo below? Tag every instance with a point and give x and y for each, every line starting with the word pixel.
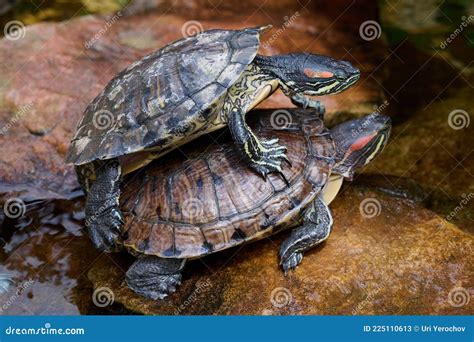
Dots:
pixel 104 228
pixel 154 277
pixel 264 156
pixel 289 261
pixel 317 225
pixel 103 217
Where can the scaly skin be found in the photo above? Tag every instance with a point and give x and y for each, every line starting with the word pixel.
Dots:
pixel 260 79
pixel 317 225
pixel 155 277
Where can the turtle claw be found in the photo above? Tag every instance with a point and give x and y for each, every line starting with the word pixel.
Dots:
pixel 289 262
pixel 270 143
pixel 153 277
pixel 282 175
pixel 104 229
pixel 158 287
pixel 266 157
pixel 288 161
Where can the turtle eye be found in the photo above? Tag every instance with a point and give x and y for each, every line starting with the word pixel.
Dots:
pixel 317 73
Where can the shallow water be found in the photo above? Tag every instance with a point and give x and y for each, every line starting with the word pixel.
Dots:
pixel 45 255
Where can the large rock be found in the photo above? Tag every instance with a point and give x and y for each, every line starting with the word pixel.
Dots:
pixel 434 148
pixel 49 76
pixel 396 259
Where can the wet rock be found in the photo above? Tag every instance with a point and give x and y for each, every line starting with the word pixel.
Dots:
pixel 433 148
pixel 48 77
pixel 397 259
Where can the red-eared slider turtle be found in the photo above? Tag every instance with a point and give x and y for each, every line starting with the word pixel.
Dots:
pixel 188 88
pixel 212 201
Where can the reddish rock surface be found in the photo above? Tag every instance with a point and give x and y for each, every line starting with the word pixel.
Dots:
pixel 405 260
pixel 48 77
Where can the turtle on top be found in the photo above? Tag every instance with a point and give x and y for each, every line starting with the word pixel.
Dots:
pixel 232 205
pixel 188 88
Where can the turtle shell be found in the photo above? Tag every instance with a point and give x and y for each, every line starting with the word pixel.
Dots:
pixel 164 96
pixel 190 204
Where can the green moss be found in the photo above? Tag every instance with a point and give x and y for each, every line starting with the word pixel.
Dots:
pixel 104 6
pixel 394 34
pixel 59 10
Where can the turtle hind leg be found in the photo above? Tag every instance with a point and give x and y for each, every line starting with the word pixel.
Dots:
pixel 317 225
pixel 264 156
pixel 154 277
pixel 103 216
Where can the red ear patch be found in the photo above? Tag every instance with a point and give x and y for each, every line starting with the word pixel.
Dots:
pixel 319 74
pixel 361 142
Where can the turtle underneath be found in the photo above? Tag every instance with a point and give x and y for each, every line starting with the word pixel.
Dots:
pixel 188 88
pixel 211 201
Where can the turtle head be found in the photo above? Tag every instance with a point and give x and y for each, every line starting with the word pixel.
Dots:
pixel 359 141
pixel 310 74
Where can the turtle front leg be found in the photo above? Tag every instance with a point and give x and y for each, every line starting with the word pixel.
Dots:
pixel 264 156
pixel 103 216
pixel 317 224
pixel 306 102
pixel 154 277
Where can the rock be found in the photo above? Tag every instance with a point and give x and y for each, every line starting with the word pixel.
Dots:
pixel 433 148
pixel 404 260
pixel 48 77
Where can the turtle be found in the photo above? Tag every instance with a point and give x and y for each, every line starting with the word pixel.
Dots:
pixel 212 201
pixel 188 88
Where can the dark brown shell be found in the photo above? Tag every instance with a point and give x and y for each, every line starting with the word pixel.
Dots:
pixel 205 199
pixel 164 97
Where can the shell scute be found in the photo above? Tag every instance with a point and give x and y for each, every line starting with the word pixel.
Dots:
pixel 161 84
pixel 193 196
pixel 235 205
pixel 189 240
pixel 219 235
pixel 237 192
